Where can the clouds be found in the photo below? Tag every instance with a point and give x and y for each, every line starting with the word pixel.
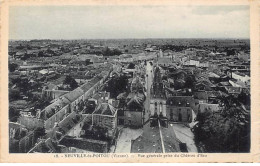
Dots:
pixel 72 22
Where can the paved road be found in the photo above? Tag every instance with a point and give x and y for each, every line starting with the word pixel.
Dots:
pixel 124 140
pixel 162 141
pixel 148 142
pixel 148 84
pixel 185 135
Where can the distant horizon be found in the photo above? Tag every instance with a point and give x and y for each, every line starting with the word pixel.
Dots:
pixel 132 39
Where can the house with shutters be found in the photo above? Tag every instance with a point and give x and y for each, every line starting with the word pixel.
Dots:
pixel 105 117
pixel 179 108
pixel 134 112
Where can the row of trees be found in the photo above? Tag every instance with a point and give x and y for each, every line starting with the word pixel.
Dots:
pixel 105 51
pixel 111 52
pixel 173 48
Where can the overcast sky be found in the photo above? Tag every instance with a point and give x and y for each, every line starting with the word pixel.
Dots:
pixel 92 22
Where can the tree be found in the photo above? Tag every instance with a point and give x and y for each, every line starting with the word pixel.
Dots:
pixel 230 52
pixel 40 102
pixel 24 86
pixel 108 52
pixel 41 54
pixel 131 66
pixel 70 81
pixel 190 82
pixel 12 67
pixel 223 132
pixel 20 47
pixel 179 84
pixel 14 94
pixel 13 114
pixel 244 98
pixel 117 85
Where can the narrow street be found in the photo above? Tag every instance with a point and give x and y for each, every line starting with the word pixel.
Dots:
pixel 162 141
pixel 148 83
pixel 124 139
pixel 185 135
pixel 148 142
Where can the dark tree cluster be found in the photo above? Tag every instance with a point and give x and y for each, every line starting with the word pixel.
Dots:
pixel 12 67
pixel 131 66
pixel 190 82
pixel 225 131
pixel 117 85
pixel 173 48
pixel 13 114
pixel 230 52
pixel 23 86
pixel 40 102
pixel 71 82
pixel 48 53
pixel 111 52
pixel 20 47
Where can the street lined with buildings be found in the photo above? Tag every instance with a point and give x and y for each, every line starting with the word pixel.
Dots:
pixel 156 99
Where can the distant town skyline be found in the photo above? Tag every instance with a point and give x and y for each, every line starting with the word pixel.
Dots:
pixel 128 22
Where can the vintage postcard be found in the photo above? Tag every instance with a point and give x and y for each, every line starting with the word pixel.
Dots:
pixel 130 81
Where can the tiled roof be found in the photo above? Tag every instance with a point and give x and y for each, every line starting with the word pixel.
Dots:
pixel 178 71
pixel 231 89
pixel 55 107
pixel 225 83
pixel 205 82
pixel 69 122
pixel 85 87
pixel 210 107
pixel 105 109
pixel 213 93
pixel 58 81
pixel 73 95
pixel 137 98
pixel 211 74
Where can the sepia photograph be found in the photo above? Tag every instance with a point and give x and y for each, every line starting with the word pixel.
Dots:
pixel 129 79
